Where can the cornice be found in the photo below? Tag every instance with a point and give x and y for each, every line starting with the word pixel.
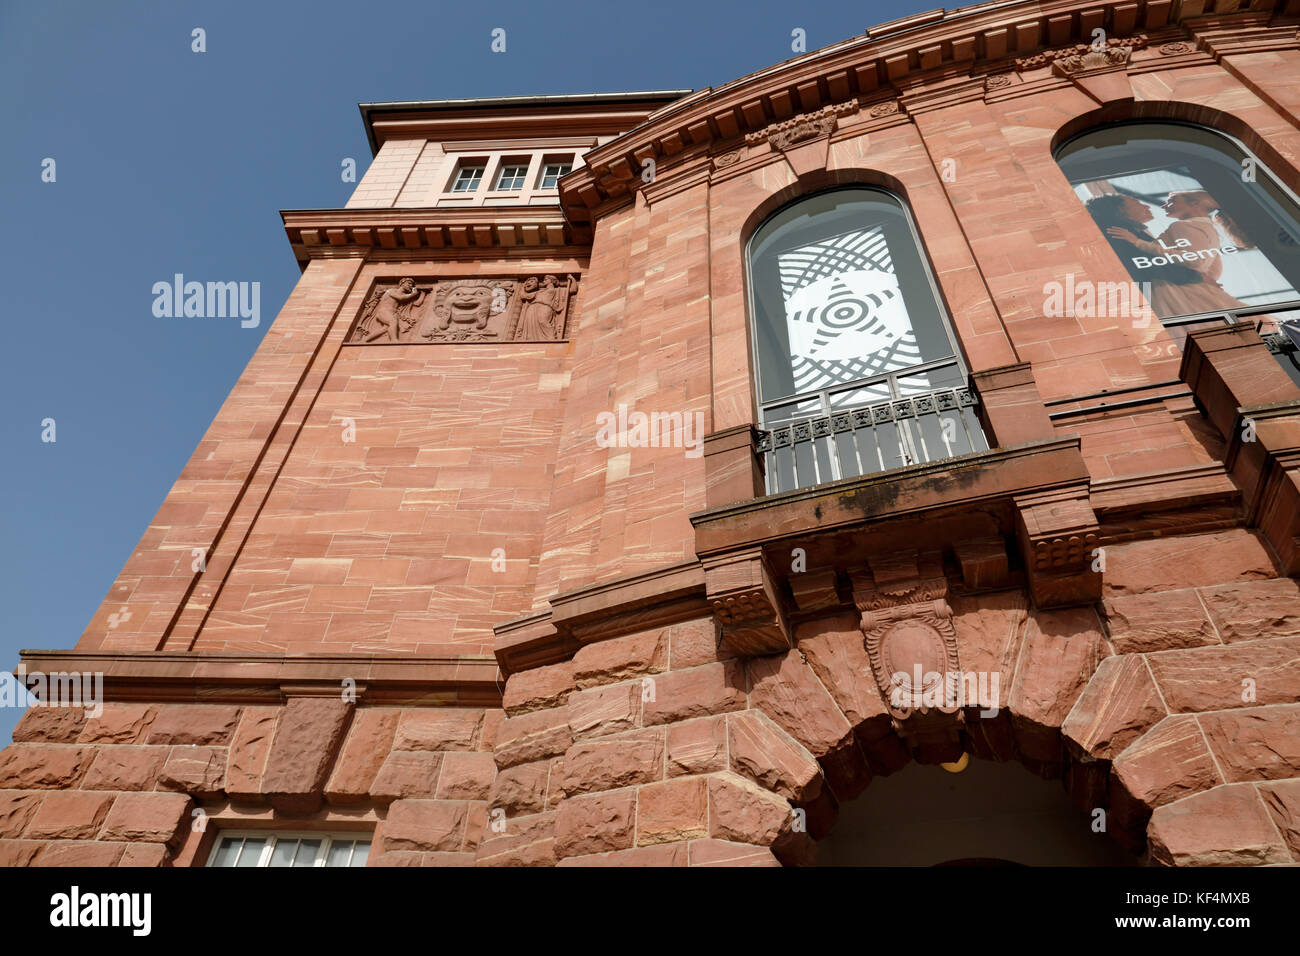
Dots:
pixel 265 678
pixel 984 43
pixel 331 233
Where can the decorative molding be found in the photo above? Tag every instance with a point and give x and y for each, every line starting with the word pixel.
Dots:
pixel 745 599
pixel 887 108
pixel 729 158
pixel 907 627
pixel 997 82
pixel 407 312
pixel 781 136
pixel 1048 57
pixel 1092 61
pixel 1177 48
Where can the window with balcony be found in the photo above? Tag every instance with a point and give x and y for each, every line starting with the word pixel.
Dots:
pixel 551 174
pixel 467 178
pixel 256 848
pixel 857 366
pixel 511 177
pixel 1206 231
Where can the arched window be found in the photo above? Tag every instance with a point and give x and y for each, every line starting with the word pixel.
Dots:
pixel 857 367
pixel 1208 234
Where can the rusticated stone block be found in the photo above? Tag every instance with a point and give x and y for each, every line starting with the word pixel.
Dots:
pixel 194 724
pixel 1239 675
pixel 1226 826
pixel 595 823
pixel 692 643
pixel 425 825
pixel 835 650
pixel 20 852
pixel 521 841
pixel 249 748
pixel 1165 764
pixel 724 853
pixel 608 763
pixel 1282 800
pixel 79 853
pixel 364 750
pixel 407 773
pixel 487 738
pixel 538 688
pixel 621 658
pixel 119 724
pixel 521 789
pixel 744 812
pixel 787 690
pixel 51 725
pixel 1255 743
pixel 16 808
pixel 125 768
pixel 766 754
pixel 667 854
pixel 1158 621
pixel 535 736
pixel 69 815
pixel 697 746
pixel 703 691
pixel 1250 610
pixel 438 728
pixel 306 741
pixel 476 824
pixel 1061 651
pixel 605 710
pixel 466 776
pixel 412 858
pixel 43 766
pixel 672 810
pixel 1165 564
pixel 1119 704
pixel 144 854
pixel 199 771
pixel 146 817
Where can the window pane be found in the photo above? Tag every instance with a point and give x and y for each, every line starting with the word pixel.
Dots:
pixel 340 852
pixel 840 294
pixel 1198 225
pixel 227 851
pixel 282 854
pixel 252 852
pixel 307 853
pixel 361 853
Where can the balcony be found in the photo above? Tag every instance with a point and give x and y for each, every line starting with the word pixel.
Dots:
pixel 871 438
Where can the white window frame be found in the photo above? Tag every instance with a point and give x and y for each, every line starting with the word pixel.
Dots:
pixel 272 837
pixel 541 181
pixel 480 168
pixel 521 179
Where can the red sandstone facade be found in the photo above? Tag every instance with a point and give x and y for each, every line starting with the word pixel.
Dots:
pixel 475 636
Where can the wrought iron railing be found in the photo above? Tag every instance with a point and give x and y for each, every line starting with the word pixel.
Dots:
pixel 871 438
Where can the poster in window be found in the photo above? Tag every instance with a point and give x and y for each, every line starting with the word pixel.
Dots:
pixel 844 311
pixel 1171 232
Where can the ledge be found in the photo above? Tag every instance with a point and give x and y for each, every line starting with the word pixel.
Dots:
pixel 266 678
pixel 913 491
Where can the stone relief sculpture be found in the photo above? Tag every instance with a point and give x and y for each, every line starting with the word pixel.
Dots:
pixel 531 309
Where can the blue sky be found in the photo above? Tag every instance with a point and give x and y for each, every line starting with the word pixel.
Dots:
pixel 168 161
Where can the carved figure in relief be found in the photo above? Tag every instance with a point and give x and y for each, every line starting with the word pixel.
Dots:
pixel 393 312
pixel 541 306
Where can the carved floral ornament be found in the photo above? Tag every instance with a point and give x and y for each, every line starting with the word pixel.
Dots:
pixel 1116 52
pixel 803 127
pixel 407 311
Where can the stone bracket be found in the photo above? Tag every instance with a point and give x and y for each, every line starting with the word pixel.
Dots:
pixel 1059 535
pixel 747 602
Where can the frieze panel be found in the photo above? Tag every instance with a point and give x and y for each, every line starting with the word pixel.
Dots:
pixel 410 312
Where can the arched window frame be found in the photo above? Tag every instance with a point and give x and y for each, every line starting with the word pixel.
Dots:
pixel 1278 342
pixel 814 444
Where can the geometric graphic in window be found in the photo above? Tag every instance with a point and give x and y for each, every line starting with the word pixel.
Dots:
pixel 844 311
